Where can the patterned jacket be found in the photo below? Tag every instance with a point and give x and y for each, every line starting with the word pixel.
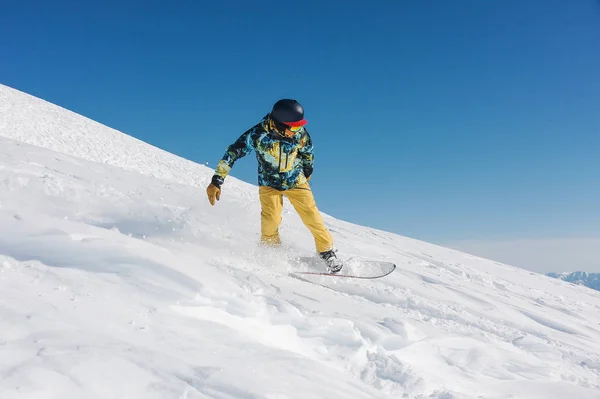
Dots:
pixel 283 163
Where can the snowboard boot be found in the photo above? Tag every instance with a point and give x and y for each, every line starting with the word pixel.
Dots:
pixel 334 265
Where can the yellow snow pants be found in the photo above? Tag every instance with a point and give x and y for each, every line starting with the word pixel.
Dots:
pixel 301 197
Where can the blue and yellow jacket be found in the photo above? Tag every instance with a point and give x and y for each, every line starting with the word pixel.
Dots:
pixel 283 163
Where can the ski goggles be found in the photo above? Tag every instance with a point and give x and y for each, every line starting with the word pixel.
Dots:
pixel 294 129
pixel 283 128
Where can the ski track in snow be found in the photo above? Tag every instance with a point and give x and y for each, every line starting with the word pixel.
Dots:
pixel 118 279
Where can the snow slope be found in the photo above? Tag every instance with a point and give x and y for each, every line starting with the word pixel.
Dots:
pixel 119 280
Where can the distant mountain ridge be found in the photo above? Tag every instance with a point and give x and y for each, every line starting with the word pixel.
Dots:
pixel 591 280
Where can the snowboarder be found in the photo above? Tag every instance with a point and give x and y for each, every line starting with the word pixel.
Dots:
pixel 285 157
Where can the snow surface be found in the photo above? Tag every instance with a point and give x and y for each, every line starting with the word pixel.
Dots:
pixel 119 280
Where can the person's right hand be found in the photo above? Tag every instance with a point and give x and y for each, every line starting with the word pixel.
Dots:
pixel 213 193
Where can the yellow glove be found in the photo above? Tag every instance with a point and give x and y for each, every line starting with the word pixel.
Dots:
pixel 213 192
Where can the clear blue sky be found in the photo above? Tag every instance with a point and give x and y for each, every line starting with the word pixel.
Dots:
pixel 441 120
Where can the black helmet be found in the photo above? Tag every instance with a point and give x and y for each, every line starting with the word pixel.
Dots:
pixel 289 112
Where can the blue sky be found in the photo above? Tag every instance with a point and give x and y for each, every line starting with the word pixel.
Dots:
pixel 441 120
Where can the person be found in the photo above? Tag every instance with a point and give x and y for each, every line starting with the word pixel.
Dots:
pixel 284 151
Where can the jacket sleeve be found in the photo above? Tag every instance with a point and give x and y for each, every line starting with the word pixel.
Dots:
pixel 242 147
pixel 307 155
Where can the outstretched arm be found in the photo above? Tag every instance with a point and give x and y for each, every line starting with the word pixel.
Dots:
pixel 242 146
pixel 307 155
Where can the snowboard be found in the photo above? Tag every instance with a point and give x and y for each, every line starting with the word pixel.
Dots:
pixel 353 268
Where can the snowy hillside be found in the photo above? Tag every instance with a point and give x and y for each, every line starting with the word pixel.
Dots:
pixel 590 280
pixel 37 122
pixel 119 280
